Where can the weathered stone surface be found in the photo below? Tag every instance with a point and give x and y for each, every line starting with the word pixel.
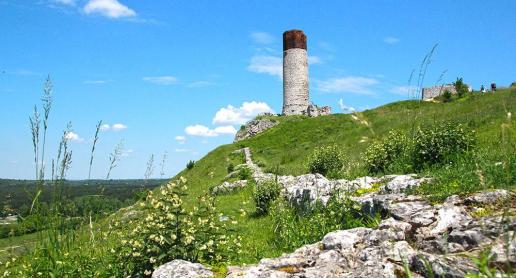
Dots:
pixel 488 197
pixel 226 187
pixel 254 127
pixel 181 269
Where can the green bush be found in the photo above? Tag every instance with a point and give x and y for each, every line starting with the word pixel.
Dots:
pixel 439 143
pixel 230 168
pixel 190 164
pixel 245 173
pixel 264 194
pixel 382 155
pixel 168 232
pixel 447 96
pixel 326 160
pixel 294 227
pixel 460 87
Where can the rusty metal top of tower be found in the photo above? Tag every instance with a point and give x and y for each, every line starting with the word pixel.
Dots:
pixel 294 39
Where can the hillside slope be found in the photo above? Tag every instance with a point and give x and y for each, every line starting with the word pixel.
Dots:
pixel 284 149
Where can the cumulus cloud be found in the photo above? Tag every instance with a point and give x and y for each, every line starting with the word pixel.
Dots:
pixel 104 127
pixel 345 108
pixel 229 129
pixel 72 136
pixel 403 90
pixel 204 131
pixel 231 115
pixel 118 127
pixel 161 80
pixel 391 40
pixel 200 130
pixel 266 64
pixel 347 84
pixel 108 8
pixel 180 139
pixel 262 37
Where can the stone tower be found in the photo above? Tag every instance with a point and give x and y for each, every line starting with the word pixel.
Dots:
pixel 295 73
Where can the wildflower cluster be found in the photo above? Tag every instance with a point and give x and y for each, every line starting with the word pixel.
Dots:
pixel 381 154
pixel 429 146
pixel 171 232
pixel 437 143
pixel 326 160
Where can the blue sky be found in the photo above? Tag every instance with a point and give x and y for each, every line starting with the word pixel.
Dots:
pixel 181 76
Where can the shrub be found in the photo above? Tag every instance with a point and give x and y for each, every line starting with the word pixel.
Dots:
pixel 264 194
pixel 230 168
pixel 460 87
pixel 381 155
pixel 244 173
pixel 190 164
pixel 447 96
pixel 326 160
pixel 435 144
pixel 168 232
pixel 294 227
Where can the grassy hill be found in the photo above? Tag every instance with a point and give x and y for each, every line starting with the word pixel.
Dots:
pixel 284 149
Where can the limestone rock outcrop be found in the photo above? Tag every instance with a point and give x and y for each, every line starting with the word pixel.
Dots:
pixel 417 237
pixel 255 127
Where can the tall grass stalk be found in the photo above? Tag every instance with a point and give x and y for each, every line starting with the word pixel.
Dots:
pixel 95 139
pixel 163 160
pixel 47 105
pixel 150 167
pixel 114 157
pixel 35 121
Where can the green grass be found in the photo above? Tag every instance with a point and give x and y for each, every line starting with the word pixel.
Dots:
pixel 286 147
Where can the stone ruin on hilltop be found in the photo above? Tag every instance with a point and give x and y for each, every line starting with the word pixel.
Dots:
pixel 296 98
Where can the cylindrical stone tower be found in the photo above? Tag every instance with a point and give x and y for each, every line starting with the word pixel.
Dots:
pixel 295 73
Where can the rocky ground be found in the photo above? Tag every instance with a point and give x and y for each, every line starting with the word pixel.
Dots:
pixel 414 236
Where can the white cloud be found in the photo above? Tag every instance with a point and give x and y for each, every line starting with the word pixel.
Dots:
pixel 96 82
pixel 200 84
pixel 161 80
pixel 229 129
pixel 65 2
pixel 182 150
pixel 72 136
pixel 391 40
pixel 180 139
pixel 262 37
pixel 348 84
pixel 403 90
pixel 200 130
pixel 104 127
pixel 345 108
pixel 313 60
pixel 204 131
pixel 231 115
pixel 126 153
pixel 266 64
pixel 118 127
pixel 108 8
